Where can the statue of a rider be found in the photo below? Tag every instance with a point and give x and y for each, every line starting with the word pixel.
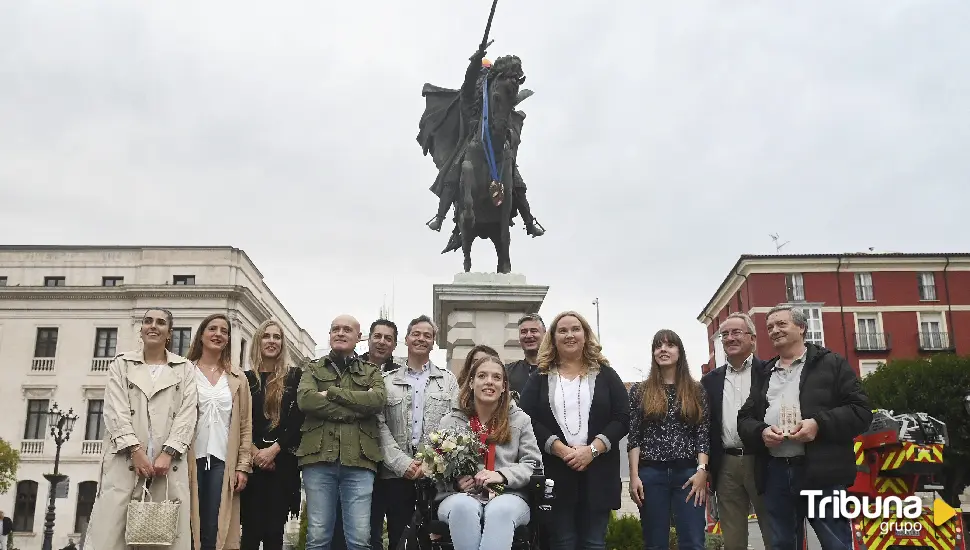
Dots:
pixel 446 143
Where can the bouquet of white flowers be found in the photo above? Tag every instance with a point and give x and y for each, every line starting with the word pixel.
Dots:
pixel 451 454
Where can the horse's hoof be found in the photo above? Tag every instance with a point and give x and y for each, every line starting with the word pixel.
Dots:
pixel 468 266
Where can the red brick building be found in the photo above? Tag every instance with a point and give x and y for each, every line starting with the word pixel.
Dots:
pixel 867 307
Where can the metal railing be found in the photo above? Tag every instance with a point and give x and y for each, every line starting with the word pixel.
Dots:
pixel 934 341
pixel 871 341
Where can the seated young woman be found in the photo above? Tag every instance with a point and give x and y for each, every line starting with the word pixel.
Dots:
pixel 484 405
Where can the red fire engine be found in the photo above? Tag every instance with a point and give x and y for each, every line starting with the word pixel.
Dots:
pixel 900 456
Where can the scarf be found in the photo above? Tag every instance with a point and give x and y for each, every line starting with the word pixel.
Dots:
pixel 488 453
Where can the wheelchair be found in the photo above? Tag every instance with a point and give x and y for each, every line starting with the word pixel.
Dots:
pixel 434 533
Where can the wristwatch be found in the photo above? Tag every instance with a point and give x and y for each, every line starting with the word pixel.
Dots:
pixel 702 467
pixel 595 451
pixel 171 452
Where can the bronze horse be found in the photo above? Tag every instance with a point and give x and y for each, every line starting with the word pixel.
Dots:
pixel 476 130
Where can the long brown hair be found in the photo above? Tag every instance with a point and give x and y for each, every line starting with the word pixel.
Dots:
pixel 499 423
pixel 688 390
pixel 467 368
pixel 273 398
pixel 195 350
pixel 592 350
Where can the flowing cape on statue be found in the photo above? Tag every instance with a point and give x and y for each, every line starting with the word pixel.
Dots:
pixel 443 133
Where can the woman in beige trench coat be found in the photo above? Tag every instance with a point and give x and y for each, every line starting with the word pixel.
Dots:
pixel 149 418
pixel 210 354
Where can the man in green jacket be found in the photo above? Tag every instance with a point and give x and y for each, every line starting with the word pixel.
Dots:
pixel 341 395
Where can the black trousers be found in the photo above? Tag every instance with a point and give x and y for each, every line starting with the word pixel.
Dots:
pixel 393 498
pixel 264 505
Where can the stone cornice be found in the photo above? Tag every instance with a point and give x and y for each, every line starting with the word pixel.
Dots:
pixel 131 292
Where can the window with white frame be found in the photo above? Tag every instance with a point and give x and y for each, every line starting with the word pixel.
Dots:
pixel 927 285
pixel 814 332
pixel 931 335
pixel 720 357
pixel 863 287
pixel 867 367
pixel 794 287
pixel 867 333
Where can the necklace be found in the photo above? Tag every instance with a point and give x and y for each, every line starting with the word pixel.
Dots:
pixel 208 368
pixel 565 417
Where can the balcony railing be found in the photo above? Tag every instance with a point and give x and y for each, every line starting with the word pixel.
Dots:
pixel 935 341
pixel 100 364
pixel 32 447
pixel 43 365
pixel 871 341
pixel 91 447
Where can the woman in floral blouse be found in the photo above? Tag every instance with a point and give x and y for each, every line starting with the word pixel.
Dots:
pixel 668 448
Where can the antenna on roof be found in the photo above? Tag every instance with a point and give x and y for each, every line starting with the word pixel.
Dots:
pixel 775 238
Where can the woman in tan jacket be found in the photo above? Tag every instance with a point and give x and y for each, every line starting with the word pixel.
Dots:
pixel 220 459
pixel 149 417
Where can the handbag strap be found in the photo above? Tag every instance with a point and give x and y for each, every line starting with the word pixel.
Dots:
pixel 146 493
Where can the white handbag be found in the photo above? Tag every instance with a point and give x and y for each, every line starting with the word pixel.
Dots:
pixel 152 523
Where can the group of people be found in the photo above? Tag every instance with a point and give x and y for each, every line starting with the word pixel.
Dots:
pixel 236 447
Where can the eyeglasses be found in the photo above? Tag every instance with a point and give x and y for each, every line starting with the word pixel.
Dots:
pixel 736 333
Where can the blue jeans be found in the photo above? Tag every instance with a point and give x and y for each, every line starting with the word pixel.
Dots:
pixel 788 510
pixel 210 472
pixel 578 527
pixel 325 483
pixel 503 514
pixel 663 494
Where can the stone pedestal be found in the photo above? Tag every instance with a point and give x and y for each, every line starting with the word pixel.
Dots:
pixel 483 308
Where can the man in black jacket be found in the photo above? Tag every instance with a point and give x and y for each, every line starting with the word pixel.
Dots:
pixel 731 465
pixel 531 331
pixel 801 420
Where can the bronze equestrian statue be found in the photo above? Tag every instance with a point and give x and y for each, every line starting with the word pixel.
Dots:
pixel 473 135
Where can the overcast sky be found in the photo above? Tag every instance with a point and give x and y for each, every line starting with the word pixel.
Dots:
pixel 664 139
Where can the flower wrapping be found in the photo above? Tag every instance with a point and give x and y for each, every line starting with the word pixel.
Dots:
pixel 451 453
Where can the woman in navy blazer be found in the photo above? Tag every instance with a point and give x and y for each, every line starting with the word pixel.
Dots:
pixel 580 411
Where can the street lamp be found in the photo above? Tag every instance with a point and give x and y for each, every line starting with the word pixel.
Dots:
pixel 61 424
pixel 966 403
pixel 596 303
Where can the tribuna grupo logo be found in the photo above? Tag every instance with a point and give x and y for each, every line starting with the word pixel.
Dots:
pixel 842 505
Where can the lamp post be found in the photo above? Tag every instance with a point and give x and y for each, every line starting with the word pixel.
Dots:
pixel 966 403
pixel 61 424
pixel 596 302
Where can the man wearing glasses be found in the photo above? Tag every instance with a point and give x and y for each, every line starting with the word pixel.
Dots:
pixel 731 468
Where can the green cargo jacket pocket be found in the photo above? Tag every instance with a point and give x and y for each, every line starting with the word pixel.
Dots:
pixel 370 445
pixel 311 441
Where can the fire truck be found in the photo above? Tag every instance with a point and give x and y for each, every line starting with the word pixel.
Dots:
pixel 902 456
pixel 898 456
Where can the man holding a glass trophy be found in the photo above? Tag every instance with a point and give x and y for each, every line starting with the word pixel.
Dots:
pixel 801 420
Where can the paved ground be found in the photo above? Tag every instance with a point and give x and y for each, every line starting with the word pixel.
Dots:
pixel 756 543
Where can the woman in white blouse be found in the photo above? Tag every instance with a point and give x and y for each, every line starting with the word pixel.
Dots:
pixel 221 456
pixel 580 411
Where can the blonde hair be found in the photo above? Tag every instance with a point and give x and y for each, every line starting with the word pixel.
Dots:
pixel 273 398
pixel 592 350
